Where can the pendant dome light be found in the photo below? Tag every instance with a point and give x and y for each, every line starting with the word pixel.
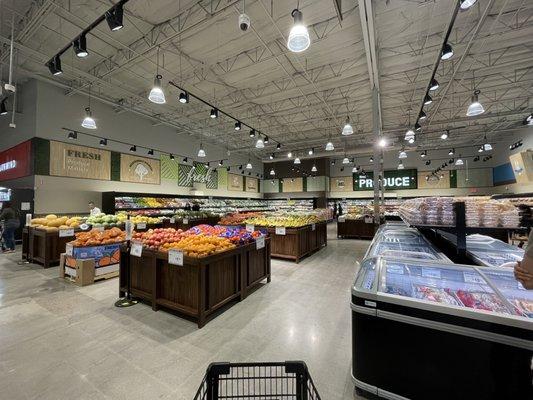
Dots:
pixel 289 154
pixel 214 113
pixel 400 165
pixel 89 122
pixel 345 160
pixel 447 52
pixel 272 172
pixel 329 146
pixel 475 107
pixel 297 160
pixel 156 94
pixel 313 169
pixel 201 151
pixel 402 154
pixel 298 36
pixel 249 165
pixel 259 144
pixel 466 4
pixel 265 140
pixel 486 145
pixel 311 151
pixel 445 134
pixel 459 161
pixel 347 130
pixel 411 140
pixel 355 170
pixel 382 142
pixel 480 150
pixel 271 156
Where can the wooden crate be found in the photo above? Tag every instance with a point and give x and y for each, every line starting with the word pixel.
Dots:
pixel 45 247
pixel 85 273
pixel 356 228
pixel 201 286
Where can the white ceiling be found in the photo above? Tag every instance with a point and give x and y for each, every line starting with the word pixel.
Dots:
pixel 300 100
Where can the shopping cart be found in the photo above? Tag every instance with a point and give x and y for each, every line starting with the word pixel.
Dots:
pixel 289 380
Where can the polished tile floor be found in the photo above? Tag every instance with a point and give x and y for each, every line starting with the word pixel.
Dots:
pixel 59 341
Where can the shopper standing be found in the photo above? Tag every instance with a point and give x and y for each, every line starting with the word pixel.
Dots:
pixel 10 216
pixel 93 210
pixel 523 270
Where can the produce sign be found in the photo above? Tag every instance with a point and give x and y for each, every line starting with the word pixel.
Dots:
pixel 15 162
pixel 402 179
pixel 70 160
pixel 139 169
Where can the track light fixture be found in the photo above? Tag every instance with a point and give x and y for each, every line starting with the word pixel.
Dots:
pixel 214 113
pixel 428 162
pixel 298 36
pixel 171 156
pixel 238 126
pixel 184 98
pixel 371 159
pixel 311 151
pixel 418 127
pixel 529 120
pixel 115 17
pixel 252 133
pixel 447 52
pixel 133 148
pixel 476 158
pixel 480 149
pixel 451 152
pixel 72 135
pixel 409 134
pixel 271 156
pixel 445 134
pixel 3 108
pixel 54 65
pixel 103 142
pixel 427 99
pixel 423 154
pixel 333 162
pixel 411 140
pixel 228 169
pixel 466 4
pixel 422 116
pixel 289 154
pixel 151 152
pixel 185 159
pixel 221 163
pixel 80 46
pixel 434 85
pixel 240 166
pixel 266 140
pixel 278 146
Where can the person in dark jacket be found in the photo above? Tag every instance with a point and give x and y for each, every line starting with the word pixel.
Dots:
pixel 11 222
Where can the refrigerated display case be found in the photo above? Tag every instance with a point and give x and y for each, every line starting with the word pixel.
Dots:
pixel 419 326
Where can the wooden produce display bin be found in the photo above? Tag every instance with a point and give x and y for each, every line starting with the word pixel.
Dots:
pixel 44 247
pixel 201 286
pixel 356 228
pixel 297 243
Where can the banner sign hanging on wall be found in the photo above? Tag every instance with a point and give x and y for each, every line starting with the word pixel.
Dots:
pixel 188 175
pixel 75 161
pixel 252 184
pixel 15 162
pixel 139 169
pixel 235 182
pixel 393 180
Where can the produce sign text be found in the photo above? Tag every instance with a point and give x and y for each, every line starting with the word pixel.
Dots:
pixel 406 179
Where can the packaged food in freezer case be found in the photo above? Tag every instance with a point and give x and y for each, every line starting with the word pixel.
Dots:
pixel 481 301
pixel 524 306
pixel 435 294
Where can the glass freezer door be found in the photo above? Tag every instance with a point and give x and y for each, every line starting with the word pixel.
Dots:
pixel 503 279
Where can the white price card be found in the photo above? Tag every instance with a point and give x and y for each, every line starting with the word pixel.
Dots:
pixel 341 219
pixel 369 220
pixel 313 227
pixel 25 206
pixel 99 228
pixel 175 257
pixel 69 249
pixel 280 230
pixel 136 249
pixel 431 273
pixel 172 220
pixel 141 225
pixel 249 228
pixel 395 269
pixel 472 278
pixel 28 219
pixel 66 232
pixel 260 242
pixel 185 221
pixel 128 227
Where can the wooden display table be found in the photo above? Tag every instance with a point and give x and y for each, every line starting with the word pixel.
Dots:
pixel 355 228
pixel 202 285
pixel 297 243
pixel 43 247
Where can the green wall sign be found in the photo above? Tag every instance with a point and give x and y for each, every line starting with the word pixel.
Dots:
pixel 394 179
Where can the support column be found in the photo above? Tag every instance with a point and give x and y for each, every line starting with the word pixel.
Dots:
pixel 377 153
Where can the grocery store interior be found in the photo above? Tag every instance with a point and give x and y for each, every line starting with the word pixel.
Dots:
pixel 258 199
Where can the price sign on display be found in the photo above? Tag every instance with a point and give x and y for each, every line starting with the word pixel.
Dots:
pixel 260 242
pixel 369 220
pixel 28 219
pixel 84 227
pixel 172 220
pixel 141 225
pixel 175 257
pixel 280 230
pixel 341 219
pixel 136 249
pixel 99 228
pixel 69 249
pixel 185 221
pixel 313 227
pixel 431 273
pixel 472 278
pixel 249 228
pixel 66 232
pixel 128 226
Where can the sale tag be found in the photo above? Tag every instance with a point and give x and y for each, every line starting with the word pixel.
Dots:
pixel 313 227
pixel 185 221
pixel 175 257
pixel 280 230
pixel 260 242
pixel 249 228
pixel 136 249
pixel 28 219
pixel 141 225
pixel 128 226
pixel 69 249
pixel 172 220
pixel 341 219
pixel 66 232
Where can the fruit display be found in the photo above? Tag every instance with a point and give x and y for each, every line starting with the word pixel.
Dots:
pixel 202 245
pixel 358 212
pixel 192 215
pixel 53 223
pixel 236 235
pixel 145 219
pixel 95 237
pixel 159 238
pixel 106 220
pixel 237 218
pixel 286 220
